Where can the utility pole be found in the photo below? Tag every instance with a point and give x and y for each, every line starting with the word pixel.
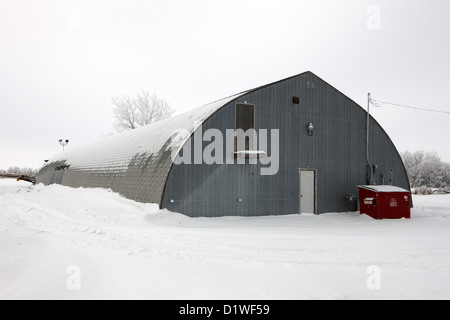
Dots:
pixel 371 180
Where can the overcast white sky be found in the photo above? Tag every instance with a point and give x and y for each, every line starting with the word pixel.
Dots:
pixel 61 62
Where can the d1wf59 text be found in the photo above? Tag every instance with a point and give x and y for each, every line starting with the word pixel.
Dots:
pixel 246 309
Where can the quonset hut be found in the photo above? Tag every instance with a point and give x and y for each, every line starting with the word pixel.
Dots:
pixel 301 148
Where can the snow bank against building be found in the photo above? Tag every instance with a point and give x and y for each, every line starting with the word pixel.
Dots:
pixel 65 243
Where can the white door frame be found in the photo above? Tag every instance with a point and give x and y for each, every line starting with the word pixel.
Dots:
pixel 300 170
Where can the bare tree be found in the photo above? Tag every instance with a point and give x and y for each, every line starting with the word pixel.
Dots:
pixel 143 109
pixel 125 113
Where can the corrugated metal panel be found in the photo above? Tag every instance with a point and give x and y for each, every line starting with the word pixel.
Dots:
pixel 336 150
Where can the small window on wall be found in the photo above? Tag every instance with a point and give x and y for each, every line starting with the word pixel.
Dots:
pixel 245 120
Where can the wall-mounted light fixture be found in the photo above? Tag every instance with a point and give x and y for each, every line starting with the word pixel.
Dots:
pixel 310 129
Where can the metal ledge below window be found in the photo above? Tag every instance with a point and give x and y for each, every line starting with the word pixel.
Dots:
pixel 65 167
pixel 251 154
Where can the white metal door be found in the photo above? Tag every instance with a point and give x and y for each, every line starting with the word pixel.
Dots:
pixel 307 191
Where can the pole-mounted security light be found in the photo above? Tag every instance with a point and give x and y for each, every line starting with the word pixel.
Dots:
pixel 63 143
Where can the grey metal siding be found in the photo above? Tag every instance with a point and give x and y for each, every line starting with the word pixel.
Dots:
pixel 336 150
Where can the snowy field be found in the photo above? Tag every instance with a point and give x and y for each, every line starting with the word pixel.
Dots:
pixel 124 249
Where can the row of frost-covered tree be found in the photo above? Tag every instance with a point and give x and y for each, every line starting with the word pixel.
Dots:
pixel 426 171
pixel 21 171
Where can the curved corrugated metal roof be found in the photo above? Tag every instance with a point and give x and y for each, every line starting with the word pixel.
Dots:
pixel 119 149
pixel 118 158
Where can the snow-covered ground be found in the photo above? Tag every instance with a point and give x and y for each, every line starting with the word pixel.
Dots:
pixel 54 238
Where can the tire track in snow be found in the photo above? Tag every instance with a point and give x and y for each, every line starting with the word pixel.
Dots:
pixel 86 223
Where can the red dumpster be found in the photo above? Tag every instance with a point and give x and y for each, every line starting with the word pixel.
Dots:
pixel 385 202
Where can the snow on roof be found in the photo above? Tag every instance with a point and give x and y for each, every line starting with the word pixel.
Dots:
pixel 383 188
pixel 136 163
pixel 118 150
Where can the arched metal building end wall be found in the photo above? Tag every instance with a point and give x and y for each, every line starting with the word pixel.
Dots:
pixel 337 152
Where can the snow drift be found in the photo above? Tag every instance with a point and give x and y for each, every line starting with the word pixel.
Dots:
pixel 126 249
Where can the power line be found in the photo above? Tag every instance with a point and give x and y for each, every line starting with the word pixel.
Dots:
pixel 376 103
